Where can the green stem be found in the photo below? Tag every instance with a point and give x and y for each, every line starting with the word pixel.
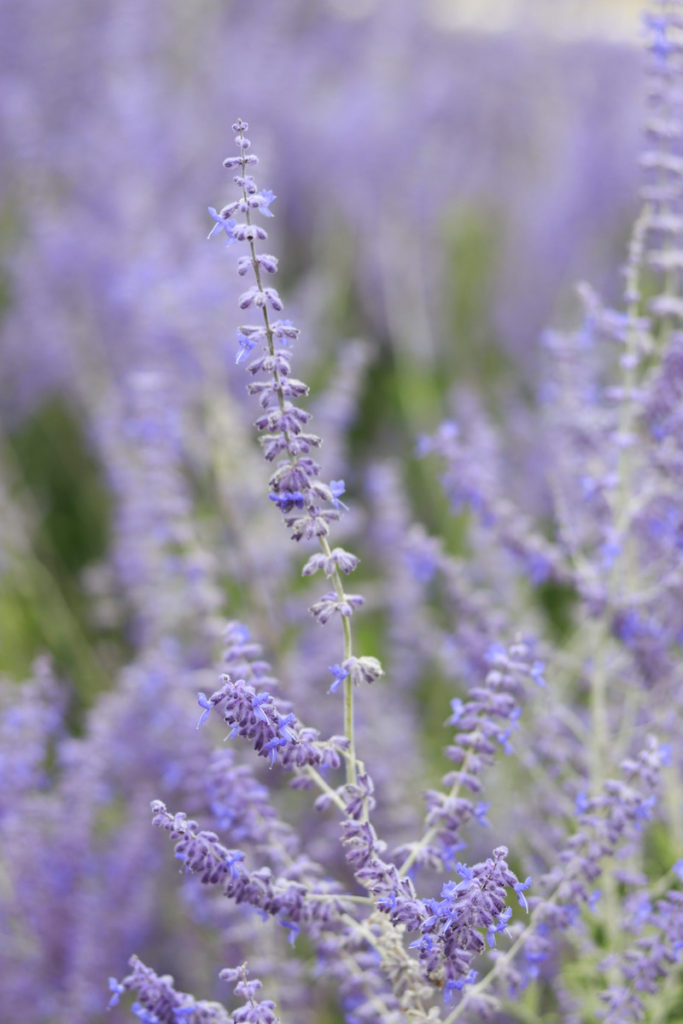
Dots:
pixel 314 774
pixel 349 725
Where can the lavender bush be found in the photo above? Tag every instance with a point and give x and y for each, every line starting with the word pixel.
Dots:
pixel 456 796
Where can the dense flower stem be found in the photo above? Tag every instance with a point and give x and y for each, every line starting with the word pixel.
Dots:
pixel 621 578
pixel 349 727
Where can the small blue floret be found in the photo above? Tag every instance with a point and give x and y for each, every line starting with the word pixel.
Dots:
pixel 340 675
pixel 226 224
pixel 338 487
pixel 246 345
pixel 519 889
pixel 117 990
pixel 267 197
pixel 293 930
pixel 205 703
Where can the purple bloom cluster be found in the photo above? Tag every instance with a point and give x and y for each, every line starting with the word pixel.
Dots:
pixel 452 933
pixel 450 929
pixel 284 898
pixel 273 729
pixel 431 946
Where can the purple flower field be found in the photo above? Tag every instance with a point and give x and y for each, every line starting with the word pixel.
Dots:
pixel 341 569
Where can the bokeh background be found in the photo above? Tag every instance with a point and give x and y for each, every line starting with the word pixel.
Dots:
pixel 445 173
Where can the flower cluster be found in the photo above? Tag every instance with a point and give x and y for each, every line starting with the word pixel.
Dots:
pixel 253 1011
pixel 283 898
pixel 451 936
pixel 272 727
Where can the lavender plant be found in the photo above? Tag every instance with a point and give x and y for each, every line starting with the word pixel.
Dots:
pixel 541 877
pixel 400 944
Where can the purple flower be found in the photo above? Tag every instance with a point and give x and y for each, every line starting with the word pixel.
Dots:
pixel 223 223
pixel 338 487
pixel 159 1002
pixel 205 703
pixel 265 198
pixel 451 930
pixel 246 345
pixel 117 989
pixel 340 674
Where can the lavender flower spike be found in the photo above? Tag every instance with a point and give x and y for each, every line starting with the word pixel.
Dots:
pixel 307 504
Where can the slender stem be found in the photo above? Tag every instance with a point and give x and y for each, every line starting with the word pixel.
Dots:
pixel 344 897
pixel 314 774
pixel 349 726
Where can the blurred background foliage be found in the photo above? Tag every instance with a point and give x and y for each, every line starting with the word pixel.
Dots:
pixel 444 172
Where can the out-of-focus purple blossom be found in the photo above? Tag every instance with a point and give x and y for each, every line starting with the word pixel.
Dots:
pixel 656 952
pixel 159 1002
pixel 605 823
pixel 472 480
pixel 253 1011
pixel 158 556
pixel 241 807
pixel 30 721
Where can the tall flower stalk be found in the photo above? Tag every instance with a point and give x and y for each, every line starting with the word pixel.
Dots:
pixel 308 505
